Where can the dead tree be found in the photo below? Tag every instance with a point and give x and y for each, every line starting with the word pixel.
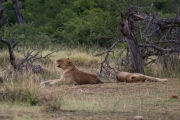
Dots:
pixel 30 56
pixel 126 27
pixel 18 12
pixel 149 38
pixel 157 47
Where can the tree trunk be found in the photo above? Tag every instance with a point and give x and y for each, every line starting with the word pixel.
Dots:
pixel 1 13
pixel 11 53
pixel 127 31
pixel 18 12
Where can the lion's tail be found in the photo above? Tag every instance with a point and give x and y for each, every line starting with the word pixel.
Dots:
pixel 152 79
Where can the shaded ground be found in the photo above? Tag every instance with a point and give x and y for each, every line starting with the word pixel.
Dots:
pixel 110 101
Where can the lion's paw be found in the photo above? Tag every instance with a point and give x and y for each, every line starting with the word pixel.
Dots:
pixel 45 83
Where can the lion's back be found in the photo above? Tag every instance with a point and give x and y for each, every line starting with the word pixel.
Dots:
pixel 122 76
pixel 82 77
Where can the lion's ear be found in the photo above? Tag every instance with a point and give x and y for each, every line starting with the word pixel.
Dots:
pixel 69 63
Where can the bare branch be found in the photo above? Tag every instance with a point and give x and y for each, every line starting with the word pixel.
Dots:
pixel 110 49
pixel 105 61
pixel 30 56
pixel 161 49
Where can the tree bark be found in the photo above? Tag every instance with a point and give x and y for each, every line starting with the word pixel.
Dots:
pixel 11 53
pixel 1 13
pixel 127 30
pixel 18 12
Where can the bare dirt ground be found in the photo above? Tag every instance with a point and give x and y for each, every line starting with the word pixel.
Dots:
pixel 108 101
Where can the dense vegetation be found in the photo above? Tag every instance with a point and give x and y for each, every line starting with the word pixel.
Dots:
pixel 74 22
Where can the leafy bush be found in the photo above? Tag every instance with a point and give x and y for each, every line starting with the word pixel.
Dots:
pixel 26 35
pixel 93 28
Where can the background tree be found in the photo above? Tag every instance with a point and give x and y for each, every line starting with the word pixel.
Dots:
pixel 1 12
pixel 94 23
pixel 17 10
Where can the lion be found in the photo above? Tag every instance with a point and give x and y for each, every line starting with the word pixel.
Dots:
pixel 136 77
pixel 72 74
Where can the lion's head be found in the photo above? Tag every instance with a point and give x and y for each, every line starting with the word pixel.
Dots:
pixel 64 63
pixel 135 77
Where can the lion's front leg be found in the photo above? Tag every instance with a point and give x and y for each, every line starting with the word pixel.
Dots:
pixel 46 82
pixel 52 82
pixel 58 81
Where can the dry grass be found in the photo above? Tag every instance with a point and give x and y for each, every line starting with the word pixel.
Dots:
pixel 102 101
pixel 151 100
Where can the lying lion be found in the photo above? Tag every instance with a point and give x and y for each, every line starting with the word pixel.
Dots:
pixel 136 77
pixel 72 74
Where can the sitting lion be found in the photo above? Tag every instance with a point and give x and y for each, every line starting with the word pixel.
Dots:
pixel 136 77
pixel 72 74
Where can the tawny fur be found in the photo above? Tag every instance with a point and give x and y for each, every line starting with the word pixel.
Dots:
pixel 72 75
pixel 136 77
